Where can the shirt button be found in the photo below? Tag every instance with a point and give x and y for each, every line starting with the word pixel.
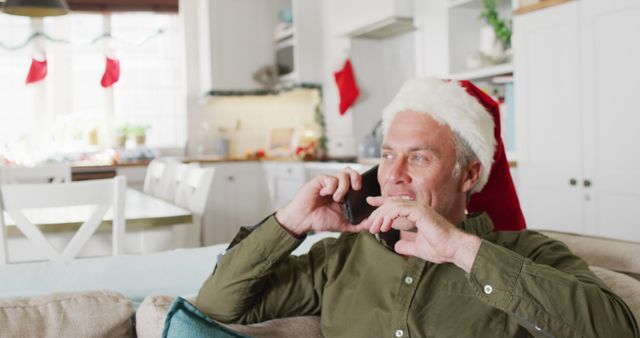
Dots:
pixel 399 333
pixel 488 289
pixel 408 280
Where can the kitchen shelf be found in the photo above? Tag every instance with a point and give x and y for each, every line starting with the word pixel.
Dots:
pixel 538 6
pixel 486 72
pixel 459 3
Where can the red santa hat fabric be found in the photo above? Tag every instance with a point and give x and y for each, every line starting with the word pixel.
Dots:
pixel 475 117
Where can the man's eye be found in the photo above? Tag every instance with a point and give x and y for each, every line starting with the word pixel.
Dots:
pixel 387 156
pixel 419 159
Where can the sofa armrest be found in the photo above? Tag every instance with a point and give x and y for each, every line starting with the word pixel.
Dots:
pixel 611 254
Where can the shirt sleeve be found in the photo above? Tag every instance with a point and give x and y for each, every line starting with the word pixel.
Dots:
pixel 258 279
pixel 550 292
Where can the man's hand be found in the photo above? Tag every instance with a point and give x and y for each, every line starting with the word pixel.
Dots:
pixel 437 240
pixel 317 205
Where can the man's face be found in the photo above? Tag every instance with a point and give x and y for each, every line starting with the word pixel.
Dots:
pixel 418 158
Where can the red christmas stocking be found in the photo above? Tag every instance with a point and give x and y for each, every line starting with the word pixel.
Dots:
pixel 111 73
pixel 347 86
pixel 37 71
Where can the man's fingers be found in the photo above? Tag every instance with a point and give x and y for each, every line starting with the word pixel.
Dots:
pixel 329 185
pixel 375 201
pixel 362 226
pixel 343 186
pixel 403 223
pixel 355 178
pixel 407 248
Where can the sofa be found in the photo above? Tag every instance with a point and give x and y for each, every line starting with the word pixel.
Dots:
pixel 128 296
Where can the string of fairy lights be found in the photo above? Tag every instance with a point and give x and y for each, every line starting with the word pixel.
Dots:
pixel 35 35
pixel 39 68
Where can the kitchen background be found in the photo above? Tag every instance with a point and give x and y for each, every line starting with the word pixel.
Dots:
pixel 188 69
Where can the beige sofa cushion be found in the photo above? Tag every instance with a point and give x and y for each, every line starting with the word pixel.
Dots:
pixel 75 314
pixel 622 285
pixel 616 255
pixel 153 311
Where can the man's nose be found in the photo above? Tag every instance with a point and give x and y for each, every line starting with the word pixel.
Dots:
pixel 399 171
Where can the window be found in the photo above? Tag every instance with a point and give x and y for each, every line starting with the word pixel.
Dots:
pixel 58 115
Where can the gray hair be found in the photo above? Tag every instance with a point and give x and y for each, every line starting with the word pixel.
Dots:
pixel 464 154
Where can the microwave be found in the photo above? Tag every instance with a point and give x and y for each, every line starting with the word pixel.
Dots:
pixel 285 62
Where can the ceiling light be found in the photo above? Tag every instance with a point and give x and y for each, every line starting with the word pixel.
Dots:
pixel 36 8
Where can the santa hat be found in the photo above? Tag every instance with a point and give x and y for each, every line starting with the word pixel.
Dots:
pixel 474 117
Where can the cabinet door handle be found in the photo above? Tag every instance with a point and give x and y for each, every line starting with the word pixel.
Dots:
pixel 230 178
pixel 573 182
pixel 586 183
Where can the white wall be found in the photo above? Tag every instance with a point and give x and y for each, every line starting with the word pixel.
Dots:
pixel 382 66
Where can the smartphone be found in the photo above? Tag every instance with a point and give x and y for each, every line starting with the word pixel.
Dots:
pixel 355 207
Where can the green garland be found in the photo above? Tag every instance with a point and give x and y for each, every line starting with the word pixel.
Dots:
pixel 503 32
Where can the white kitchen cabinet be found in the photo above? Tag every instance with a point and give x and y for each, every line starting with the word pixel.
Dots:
pixel 242 41
pixel 283 181
pixel 575 69
pixel 134 174
pixel 239 197
pixel 305 38
pixel 313 169
pixel 610 44
pixel 372 18
pixel 547 101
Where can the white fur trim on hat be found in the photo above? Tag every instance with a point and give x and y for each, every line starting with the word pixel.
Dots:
pixel 449 103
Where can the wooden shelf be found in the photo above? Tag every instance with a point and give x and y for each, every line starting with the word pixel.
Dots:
pixel 540 5
pixel 486 72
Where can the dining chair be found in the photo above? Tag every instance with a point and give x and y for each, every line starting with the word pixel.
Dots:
pixel 45 173
pixel 159 179
pixel 104 194
pixel 192 186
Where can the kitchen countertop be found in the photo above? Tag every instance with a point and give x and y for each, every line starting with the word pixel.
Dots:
pixel 92 166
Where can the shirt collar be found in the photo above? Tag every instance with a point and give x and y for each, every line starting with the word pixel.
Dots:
pixel 477 224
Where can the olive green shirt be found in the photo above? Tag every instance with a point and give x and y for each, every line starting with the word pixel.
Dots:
pixel 522 284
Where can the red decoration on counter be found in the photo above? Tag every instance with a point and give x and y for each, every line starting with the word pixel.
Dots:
pixel 347 86
pixel 37 71
pixel 111 73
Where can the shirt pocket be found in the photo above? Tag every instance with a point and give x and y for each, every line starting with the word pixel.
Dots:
pixel 450 309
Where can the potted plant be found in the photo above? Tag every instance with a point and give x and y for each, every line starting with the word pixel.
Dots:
pixel 500 27
pixel 140 133
pixel 122 133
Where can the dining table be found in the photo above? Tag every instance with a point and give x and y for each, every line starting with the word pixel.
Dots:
pixel 142 211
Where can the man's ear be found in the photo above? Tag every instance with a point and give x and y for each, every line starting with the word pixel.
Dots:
pixel 470 175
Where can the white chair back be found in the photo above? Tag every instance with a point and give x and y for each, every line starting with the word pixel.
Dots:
pixel 157 179
pixel 46 173
pixel 192 187
pixel 105 194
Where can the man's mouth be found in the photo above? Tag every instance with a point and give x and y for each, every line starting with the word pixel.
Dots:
pixel 404 196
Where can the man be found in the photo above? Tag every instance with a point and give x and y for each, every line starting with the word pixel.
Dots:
pixel 449 275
